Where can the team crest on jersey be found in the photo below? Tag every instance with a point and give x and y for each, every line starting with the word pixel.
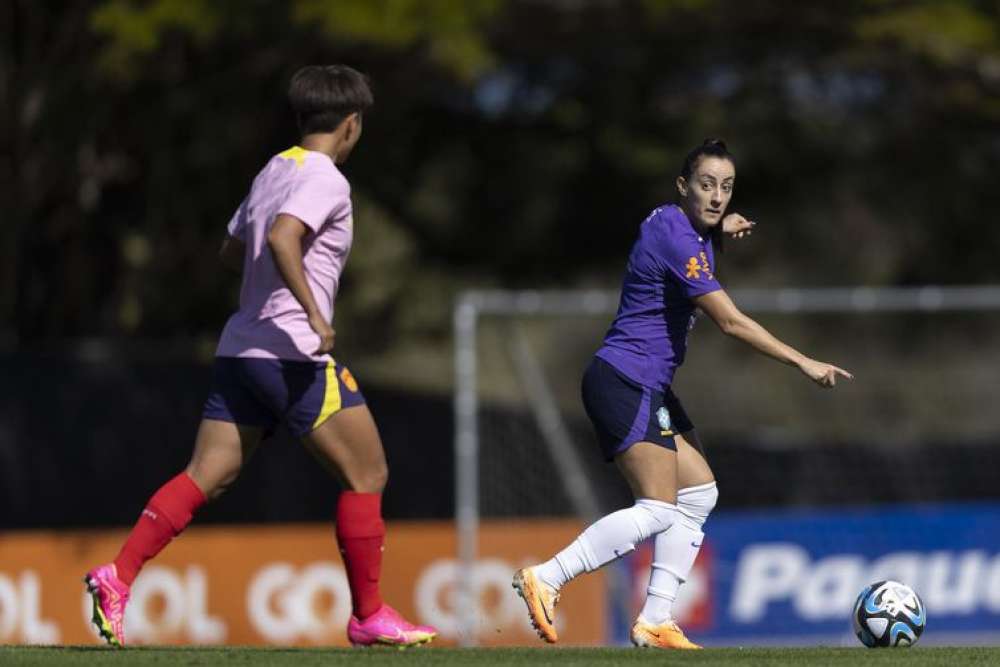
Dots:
pixel 348 380
pixel 663 417
pixel 695 267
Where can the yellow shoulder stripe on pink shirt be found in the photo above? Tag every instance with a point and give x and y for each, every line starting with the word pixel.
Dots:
pixel 296 153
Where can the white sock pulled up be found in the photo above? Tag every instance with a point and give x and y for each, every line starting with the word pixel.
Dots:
pixel 675 550
pixel 608 539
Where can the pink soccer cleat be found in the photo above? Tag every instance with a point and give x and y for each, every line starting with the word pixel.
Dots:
pixel 387 627
pixel 110 596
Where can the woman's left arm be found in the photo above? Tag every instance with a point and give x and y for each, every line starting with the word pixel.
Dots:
pixel 734 323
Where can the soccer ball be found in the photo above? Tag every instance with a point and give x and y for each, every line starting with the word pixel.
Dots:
pixel 888 613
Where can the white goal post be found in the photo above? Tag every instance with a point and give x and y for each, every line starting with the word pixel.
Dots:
pixel 472 305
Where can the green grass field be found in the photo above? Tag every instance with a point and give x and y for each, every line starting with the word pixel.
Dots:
pixel 98 656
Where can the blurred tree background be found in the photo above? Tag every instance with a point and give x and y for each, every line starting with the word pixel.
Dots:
pixel 513 143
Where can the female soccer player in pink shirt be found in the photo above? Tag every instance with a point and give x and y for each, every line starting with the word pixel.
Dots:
pixel 640 422
pixel 290 237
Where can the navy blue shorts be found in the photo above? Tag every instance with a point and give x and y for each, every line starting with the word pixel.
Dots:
pixel 624 412
pixel 264 392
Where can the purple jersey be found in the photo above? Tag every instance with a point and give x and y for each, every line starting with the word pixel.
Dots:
pixel 668 266
pixel 270 323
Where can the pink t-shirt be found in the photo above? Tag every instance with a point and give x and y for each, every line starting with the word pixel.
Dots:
pixel 270 323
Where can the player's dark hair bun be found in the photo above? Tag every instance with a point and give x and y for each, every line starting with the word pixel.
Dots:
pixel 717 144
pixel 711 146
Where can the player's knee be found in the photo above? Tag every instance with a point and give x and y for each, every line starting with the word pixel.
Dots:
pixel 653 516
pixel 697 502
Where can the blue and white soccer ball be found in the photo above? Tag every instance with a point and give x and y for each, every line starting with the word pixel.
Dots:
pixel 888 613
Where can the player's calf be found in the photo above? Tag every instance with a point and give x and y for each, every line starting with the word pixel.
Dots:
pixel 370 480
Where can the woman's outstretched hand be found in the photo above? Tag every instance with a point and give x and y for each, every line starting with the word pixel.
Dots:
pixel 823 374
pixel 736 226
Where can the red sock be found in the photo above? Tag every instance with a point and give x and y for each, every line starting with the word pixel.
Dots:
pixel 168 513
pixel 360 533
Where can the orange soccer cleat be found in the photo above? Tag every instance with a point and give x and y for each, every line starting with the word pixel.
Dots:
pixel 665 635
pixel 541 600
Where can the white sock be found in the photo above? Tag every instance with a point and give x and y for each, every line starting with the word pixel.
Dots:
pixel 562 567
pixel 607 539
pixel 675 551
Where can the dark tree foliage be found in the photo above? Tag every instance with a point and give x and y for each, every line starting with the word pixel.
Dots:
pixel 512 143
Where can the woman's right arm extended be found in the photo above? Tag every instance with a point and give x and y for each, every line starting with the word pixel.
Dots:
pixel 733 322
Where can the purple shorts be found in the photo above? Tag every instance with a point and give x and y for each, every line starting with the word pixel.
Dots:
pixel 624 412
pixel 264 392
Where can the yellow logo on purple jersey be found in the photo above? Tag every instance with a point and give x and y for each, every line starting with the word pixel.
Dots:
pixel 695 268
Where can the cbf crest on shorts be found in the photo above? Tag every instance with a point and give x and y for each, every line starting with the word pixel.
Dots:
pixel 663 417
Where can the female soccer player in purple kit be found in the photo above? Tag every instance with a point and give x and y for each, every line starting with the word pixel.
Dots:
pixel 290 237
pixel 640 423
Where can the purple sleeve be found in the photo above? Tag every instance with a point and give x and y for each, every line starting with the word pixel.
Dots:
pixel 316 198
pixel 237 227
pixel 687 264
